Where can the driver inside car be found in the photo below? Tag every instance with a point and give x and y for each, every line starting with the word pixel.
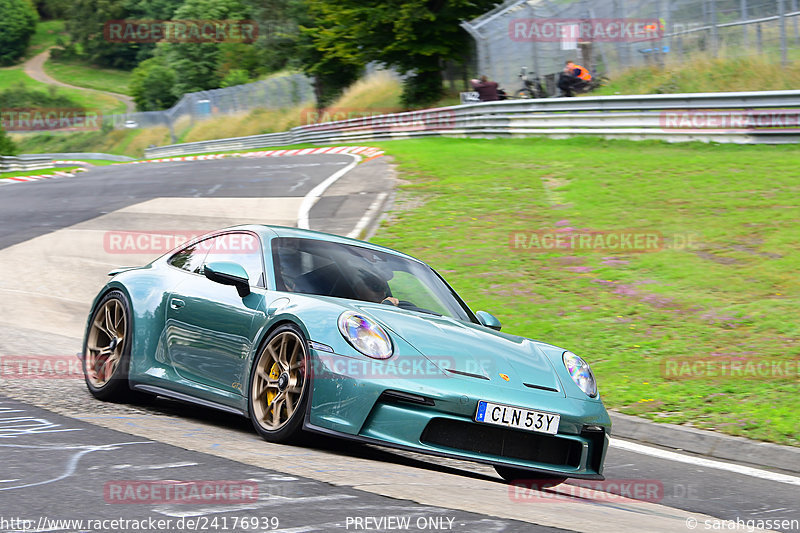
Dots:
pixel 371 288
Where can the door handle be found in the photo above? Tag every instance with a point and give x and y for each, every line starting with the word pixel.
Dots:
pixel 176 303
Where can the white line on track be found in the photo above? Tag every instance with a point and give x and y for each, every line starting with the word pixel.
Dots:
pixel 701 461
pixel 314 194
pixel 373 208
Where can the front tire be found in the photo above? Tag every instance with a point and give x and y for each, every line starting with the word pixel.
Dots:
pixel 107 349
pixel 535 479
pixel 279 385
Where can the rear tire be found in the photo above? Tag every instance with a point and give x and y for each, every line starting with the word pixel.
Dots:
pixel 537 480
pixel 279 385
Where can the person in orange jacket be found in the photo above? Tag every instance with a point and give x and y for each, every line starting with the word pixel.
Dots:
pixel 574 78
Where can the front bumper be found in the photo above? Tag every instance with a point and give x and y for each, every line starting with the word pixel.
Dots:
pixel 435 416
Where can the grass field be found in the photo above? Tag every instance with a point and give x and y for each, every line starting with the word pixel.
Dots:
pixel 705 74
pixel 47 32
pixel 9 77
pixel 42 172
pixel 731 298
pixel 83 75
pixel 130 142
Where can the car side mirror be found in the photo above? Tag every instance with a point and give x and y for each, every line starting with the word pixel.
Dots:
pixel 228 273
pixel 488 320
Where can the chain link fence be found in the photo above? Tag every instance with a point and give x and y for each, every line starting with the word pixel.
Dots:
pixel 608 36
pixel 274 93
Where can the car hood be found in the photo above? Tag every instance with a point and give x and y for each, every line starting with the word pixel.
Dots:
pixel 470 351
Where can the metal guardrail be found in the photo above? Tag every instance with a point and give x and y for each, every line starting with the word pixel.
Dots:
pixel 81 155
pixel 18 164
pixel 770 117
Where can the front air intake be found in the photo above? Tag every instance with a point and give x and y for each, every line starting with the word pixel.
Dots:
pixel 502 442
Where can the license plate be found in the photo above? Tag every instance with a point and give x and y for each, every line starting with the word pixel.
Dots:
pixel 517 417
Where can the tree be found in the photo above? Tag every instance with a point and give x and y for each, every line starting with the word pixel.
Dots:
pixel 7 146
pixel 52 9
pixel 240 56
pixel 278 32
pixel 235 77
pixel 197 63
pixel 151 85
pixel 415 36
pixel 86 19
pixel 332 73
pixel 17 25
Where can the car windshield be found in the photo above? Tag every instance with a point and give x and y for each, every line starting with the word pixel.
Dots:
pixel 345 271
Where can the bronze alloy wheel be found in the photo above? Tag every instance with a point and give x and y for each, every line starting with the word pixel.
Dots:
pixel 106 352
pixel 106 342
pixel 278 385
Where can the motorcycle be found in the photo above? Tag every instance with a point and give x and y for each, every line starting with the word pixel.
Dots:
pixel 531 86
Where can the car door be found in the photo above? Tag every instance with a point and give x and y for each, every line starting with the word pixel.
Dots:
pixel 210 329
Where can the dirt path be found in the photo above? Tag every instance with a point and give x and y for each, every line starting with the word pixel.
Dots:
pixel 34 67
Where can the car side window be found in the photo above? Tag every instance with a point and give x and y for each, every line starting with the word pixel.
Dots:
pixel 241 248
pixel 190 259
pixel 302 271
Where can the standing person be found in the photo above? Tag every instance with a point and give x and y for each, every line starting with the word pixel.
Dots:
pixel 487 90
pixel 574 78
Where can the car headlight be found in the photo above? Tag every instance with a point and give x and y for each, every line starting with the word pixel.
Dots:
pixel 580 373
pixel 366 336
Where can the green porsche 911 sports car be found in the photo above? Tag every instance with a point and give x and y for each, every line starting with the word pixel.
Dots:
pixel 303 331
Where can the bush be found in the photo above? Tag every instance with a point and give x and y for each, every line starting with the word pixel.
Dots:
pixel 17 26
pixel 422 89
pixel 7 146
pixel 152 85
pixel 235 77
pixel 20 96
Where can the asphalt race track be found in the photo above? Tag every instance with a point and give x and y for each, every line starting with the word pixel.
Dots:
pixel 65 456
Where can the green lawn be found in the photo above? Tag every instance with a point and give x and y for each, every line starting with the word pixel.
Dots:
pixel 130 142
pixel 47 32
pixel 9 77
pixel 706 74
pixel 42 172
pixel 83 75
pixel 732 298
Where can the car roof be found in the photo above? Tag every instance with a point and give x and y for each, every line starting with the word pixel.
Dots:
pixel 268 231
